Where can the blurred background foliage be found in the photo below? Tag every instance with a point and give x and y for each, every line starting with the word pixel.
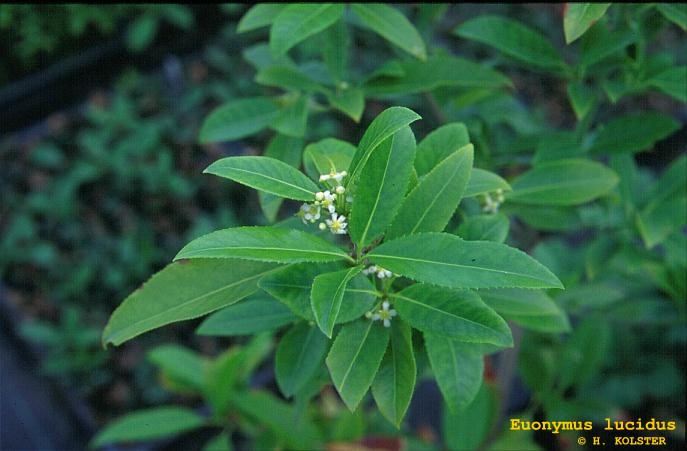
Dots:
pixel 106 189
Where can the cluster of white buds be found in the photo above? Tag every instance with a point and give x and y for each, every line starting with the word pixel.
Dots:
pixel 381 272
pixel 329 202
pixel 384 314
pixel 492 204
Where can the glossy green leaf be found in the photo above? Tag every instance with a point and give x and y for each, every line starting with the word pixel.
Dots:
pixel 293 285
pixel 327 155
pixel 293 118
pixel 389 68
pixel 581 99
pixel 436 72
pixel 299 21
pixel 327 296
pixel 558 145
pixel 350 101
pixel 457 367
pixel 672 182
pixel 335 49
pixel 485 228
pixel 633 132
pixel 660 218
pixel 531 309
pixel 355 357
pixel 616 89
pixel 260 57
pixel 287 149
pixel 258 348
pixel 358 299
pixel 223 376
pixel 674 12
pixel 181 291
pixel 266 174
pixel 447 260
pixel 286 421
pixel 148 424
pixel 630 182
pixel 394 384
pixel 562 182
pixel 290 78
pixel 514 39
pixel 179 363
pixel 483 182
pixel 393 26
pixel 385 178
pixel 672 82
pixel 468 429
pixel 439 145
pixel 299 357
pixel 431 204
pixel 584 353
pixel 590 295
pixel 545 217
pixel 386 124
pixel 600 42
pixel 257 314
pixel 259 15
pixel 459 314
pixel 271 244
pixel 579 17
pixel 237 119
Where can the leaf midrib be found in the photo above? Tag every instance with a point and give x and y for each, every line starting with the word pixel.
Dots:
pixel 335 306
pixel 394 379
pixel 305 23
pixel 454 360
pixel 563 185
pixel 184 304
pixel 283 182
pixel 301 354
pixel 480 268
pixel 521 40
pixel 443 188
pixel 490 229
pixel 344 379
pixel 379 194
pixel 388 28
pixel 252 248
pixel 444 312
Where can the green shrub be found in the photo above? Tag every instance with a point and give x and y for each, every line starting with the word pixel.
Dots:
pixel 395 264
